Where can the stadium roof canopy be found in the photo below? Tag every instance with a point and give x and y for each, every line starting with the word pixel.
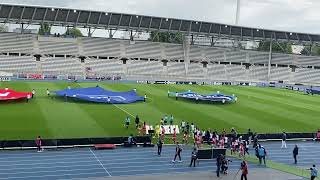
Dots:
pixel 36 15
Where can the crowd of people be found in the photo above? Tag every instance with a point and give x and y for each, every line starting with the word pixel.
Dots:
pixel 237 144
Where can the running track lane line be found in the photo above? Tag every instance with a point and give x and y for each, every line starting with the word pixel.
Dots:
pixel 100 162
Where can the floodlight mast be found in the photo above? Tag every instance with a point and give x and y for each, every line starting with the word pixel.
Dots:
pixel 238 12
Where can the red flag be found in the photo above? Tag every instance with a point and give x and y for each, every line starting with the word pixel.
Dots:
pixel 8 94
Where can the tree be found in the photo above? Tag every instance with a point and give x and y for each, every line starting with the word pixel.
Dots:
pixel 75 32
pixel 3 28
pixel 311 50
pixel 45 29
pixel 306 50
pixel 166 37
pixel 283 47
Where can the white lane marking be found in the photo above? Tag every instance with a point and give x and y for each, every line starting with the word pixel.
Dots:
pixel 100 163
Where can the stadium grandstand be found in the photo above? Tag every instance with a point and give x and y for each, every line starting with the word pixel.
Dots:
pixel 106 106
pixel 85 57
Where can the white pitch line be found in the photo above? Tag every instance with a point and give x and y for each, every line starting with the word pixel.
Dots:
pixel 100 163
pixel 123 110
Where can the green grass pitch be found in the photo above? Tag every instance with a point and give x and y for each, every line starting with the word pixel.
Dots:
pixel 261 109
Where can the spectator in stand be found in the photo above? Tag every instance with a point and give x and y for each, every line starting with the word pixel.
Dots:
pixel 295 153
pixel 284 139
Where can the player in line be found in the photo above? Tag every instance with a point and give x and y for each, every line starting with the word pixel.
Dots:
pixel 127 122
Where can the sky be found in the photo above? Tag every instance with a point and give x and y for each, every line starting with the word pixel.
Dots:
pixel 286 15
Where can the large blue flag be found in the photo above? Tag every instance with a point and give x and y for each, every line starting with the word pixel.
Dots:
pixel 98 94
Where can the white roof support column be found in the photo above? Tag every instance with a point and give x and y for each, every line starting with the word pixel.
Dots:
pixel 270 58
pixel 186 53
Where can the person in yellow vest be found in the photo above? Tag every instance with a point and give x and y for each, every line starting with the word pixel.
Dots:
pixel 157 130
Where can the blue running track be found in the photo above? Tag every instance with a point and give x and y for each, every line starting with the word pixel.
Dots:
pixel 88 163
pixel 308 153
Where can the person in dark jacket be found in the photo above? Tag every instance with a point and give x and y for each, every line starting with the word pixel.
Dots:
pixel 178 153
pixel 255 140
pixel 225 165
pixel 295 153
pixel 219 164
pixel 137 121
pixel 194 157
pixel 159 144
